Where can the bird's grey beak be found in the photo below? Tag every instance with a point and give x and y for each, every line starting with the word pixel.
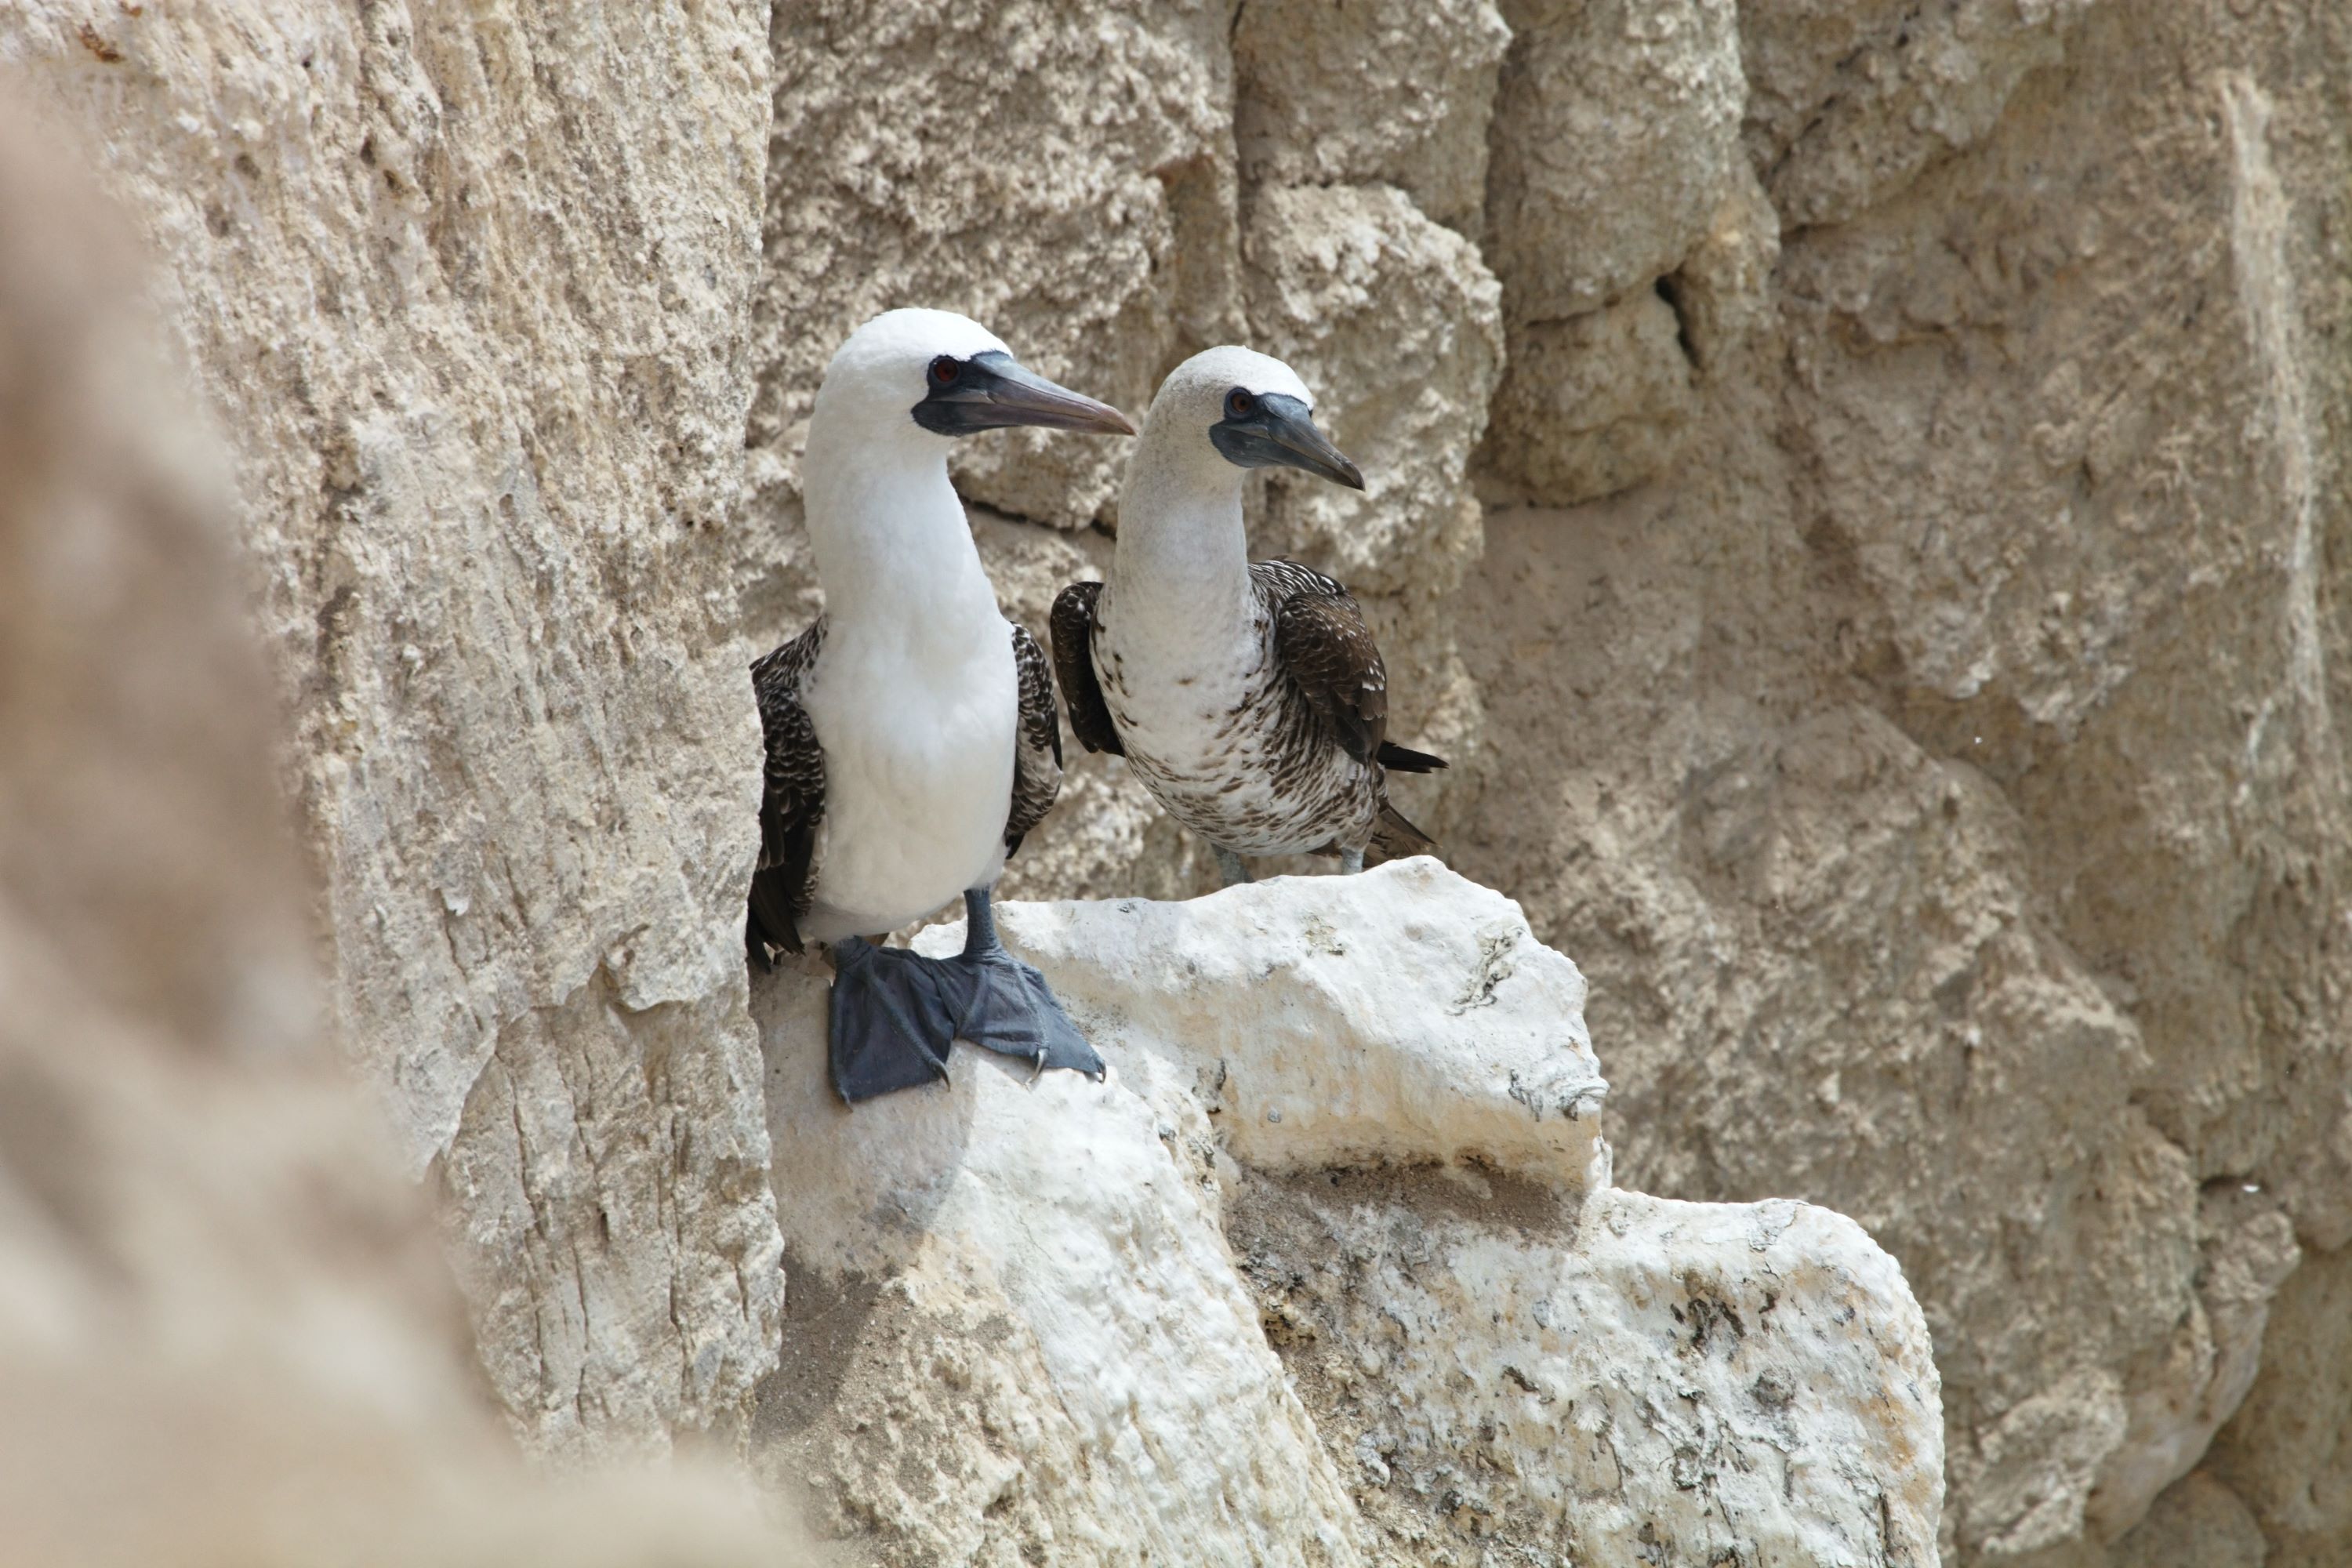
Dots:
pixel 993 391
pixel 1279 431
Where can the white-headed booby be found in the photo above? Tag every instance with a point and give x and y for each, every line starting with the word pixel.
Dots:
pixel 1248 696
pixel 911 733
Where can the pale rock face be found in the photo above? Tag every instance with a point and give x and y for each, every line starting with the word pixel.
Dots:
pixel 1596 404
pixel 1849 99
pixel 1446 1332
pixel 468 291
pixel 1398 92
pixel 2288 1453
pixel 1623 167
pixel 226 1331
pixel 1623 132
pixel 1063 177
pixel 2201 1523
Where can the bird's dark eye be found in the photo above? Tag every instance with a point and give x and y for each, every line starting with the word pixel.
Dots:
pixel 1238 404
pixel 945 369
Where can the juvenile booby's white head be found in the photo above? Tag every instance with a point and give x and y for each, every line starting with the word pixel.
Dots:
pixel 1231 407
pixel 922 377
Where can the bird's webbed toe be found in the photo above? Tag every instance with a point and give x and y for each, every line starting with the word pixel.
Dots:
pixel 1013 1011
pixel 893 1016
pixel 1009 1008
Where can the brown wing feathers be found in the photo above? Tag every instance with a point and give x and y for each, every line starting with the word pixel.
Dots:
pixel 1321 638
pixel 791 800
pixel 1072 630
pixel 1037 746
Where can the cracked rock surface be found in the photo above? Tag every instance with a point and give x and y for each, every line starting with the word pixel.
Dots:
pixel 468 292
pixel 1328 1270
pixel 1861 506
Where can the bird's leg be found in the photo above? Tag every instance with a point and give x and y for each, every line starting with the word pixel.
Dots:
pixel 1230 866
pixel 1350 862
pixel 892 1016
pixel 1006 1006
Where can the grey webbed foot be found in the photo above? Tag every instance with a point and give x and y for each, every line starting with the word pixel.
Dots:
pixel 892 1016
pixel 1230 866
pixel 1007 1006
pixel 895 1014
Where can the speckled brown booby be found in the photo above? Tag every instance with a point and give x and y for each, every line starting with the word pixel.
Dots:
pixel 1249 697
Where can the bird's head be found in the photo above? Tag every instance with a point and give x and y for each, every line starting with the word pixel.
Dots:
pixel 921 374
pixel 1249 410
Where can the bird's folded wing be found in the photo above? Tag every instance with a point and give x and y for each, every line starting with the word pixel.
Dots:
pixel 1073 628
pixel 1323 644
pixel 791 801
pixel 1036 744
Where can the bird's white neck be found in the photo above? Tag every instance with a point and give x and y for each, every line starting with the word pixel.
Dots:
pixel 893 547
pixel 1181 568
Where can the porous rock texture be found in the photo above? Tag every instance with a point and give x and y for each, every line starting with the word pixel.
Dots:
pixel 1901 656
pixel 1867 527
pixel 468 291
pixel 226 1331
pixel 1327 1269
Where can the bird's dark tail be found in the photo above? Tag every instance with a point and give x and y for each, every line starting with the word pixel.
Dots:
pixel 1395 837
pixel 768 922
pixel 1405 759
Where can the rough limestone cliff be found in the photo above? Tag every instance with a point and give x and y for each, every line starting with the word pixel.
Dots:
pixel 1854 488
pixel 227 1332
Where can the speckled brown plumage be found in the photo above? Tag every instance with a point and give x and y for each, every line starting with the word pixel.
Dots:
pixel 1037 753
pixel 1071 628
pixel 1297 762
pixel 791 800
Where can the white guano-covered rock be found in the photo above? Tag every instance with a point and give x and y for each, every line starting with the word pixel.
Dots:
pixel 1017 1325
pixel 1402 1016
pixel 1328 1269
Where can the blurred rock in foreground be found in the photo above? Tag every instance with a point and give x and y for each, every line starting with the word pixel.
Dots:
pixel 226 1333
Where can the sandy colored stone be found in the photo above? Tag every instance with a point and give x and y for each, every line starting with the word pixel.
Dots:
pixel 1848 101
pixel 1331 92
pixel 226 1331
pixel 468 291
pixel 1595 405
pixel 2029 491
pixel 1622 131
pixel 2199 1524
pixel 2288 1454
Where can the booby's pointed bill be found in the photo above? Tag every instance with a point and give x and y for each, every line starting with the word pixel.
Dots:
pixel 993 391
pixel 1272 430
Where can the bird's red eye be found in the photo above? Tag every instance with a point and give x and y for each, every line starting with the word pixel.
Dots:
pixel 944 369
pixel 1239 403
